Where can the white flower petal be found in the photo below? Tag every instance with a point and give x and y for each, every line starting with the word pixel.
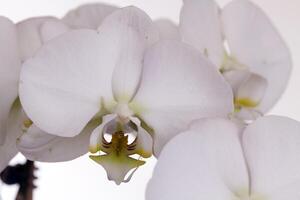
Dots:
pixel 205 162
pixel 168 30
pixel 9 71
pixel 200 27
pixel 144 140
pixel 272 150
pixel 117 168
pixel 178 86
pixel 96 139
pixel 290 192
pixel 51 29
pixel 62 86
pixel 128 31
pixel 255 42
pixel 29 37
pixel 88 16
pixel 39 146
pixel 14 130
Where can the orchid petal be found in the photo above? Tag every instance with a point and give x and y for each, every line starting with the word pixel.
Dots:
pixel 88 16
pixel 178 86
pixel 62 86
pixel 14 130
pixel 200 27
pixel 168 30
pixel 9 71
pixel 144 143
pixel 205 162
pixel 272 150
pixel 128 31
pixel 255 42
pixel 39 146
pixel 96 139
pixel 117 168
pixel 51 29
pixel 29 37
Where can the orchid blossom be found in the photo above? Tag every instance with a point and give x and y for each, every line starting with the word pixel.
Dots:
pixel 244 45
pixel 33 33
pixel 119 82
pixel 210 161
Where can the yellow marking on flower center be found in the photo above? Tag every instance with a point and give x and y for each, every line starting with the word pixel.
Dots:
pixel 27 123
pixel 244 102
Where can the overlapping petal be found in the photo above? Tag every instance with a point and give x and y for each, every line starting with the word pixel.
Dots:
pixel 51 29
pixel 9 71
pixel 205 162
pixel 168 30
pixel 88 16
pixel 200 27
pixel 210 162
pixel 56 90
pixel 14 130
pixel 131 31
pixel 255 42
pixel 29 36
pixel 272 150
pixel 178 86
pixel 39 146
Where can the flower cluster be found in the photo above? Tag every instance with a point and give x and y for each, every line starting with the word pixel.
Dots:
pixel 112 83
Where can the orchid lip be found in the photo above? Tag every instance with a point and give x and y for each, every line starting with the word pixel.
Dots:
pixel 116 154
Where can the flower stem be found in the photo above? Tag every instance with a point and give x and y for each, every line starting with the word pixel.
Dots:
pixel 23 175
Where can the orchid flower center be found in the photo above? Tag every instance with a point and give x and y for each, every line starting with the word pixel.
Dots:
pixel 230 63
pixel 110 142
pixel 248 88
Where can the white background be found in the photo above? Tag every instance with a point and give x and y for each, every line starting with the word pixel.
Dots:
pixel 82 178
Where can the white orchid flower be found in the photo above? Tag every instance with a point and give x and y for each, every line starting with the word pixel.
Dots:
pixel 33 33
pixel 209 161
pixel 114 78
pixel 9 76
pixel 242 42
